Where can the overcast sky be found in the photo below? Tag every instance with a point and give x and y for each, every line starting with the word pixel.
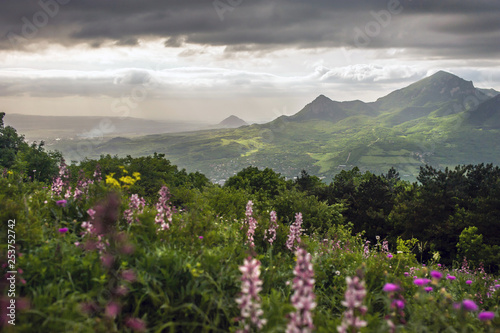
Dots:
pixel 258 59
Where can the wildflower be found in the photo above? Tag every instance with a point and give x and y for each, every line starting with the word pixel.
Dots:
pixel 436 275
pixel 249 299
pixel 439 265
pixel 451 277
pixel 164 210
pixel 377 237
pixel 303 298
pixel 469 305
pixel 389 256
pixel 136 324
pixel 272 228
pixel 295 232
pixel 366 249
pixel 406 274
pixel 200 237
pixel 354 297
pixel 468 281
pixel 128 275
pixel 428 289
pixel 486 315
pixel 112 309
pixel 61 180
pixel 61 203
pixel 135 206
pixel 63 230
pixel 390 287
pixel 385 246
pixel 337 272
pixel 397 303
pixel 252 224
pixel 421 282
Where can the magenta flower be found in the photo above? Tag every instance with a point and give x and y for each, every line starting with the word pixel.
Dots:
pixel 136 324
pixel 469 305
pixel 390 287
pixel 468 281
pixel 295 232
pixel 389 256
pixel 135 206
pixel 128 275
pixel 436 275
pixel 61 203
pixel 439 265
pixel 397 303
pixel 63 230
pixel 486 315
pixel 406 273
pixel 421 282
pixel 200 237
pixel 451 277
pixel 112 309
pixel 249 299
pixel 303 298
pixel 428 289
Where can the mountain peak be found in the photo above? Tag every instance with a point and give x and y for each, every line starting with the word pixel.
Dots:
pixel 232 122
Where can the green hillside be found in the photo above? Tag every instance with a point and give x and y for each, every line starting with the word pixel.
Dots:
pixel 441 120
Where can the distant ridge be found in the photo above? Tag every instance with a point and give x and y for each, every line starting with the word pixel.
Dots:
pixel 233 122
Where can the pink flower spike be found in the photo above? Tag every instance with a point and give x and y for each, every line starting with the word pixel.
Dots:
pixel 468 281
pixel 390 287
pixel 436 275
pixel 451 277
pixel 63 230
pixel 486 315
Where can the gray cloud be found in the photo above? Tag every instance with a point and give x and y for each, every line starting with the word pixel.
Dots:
pixel 446 28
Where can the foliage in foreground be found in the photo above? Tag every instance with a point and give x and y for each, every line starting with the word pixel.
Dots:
pixel 104 260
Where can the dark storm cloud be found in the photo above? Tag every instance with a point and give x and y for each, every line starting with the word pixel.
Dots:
pixel 441 28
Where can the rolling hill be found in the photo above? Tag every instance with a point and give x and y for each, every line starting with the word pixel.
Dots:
pixel 441 120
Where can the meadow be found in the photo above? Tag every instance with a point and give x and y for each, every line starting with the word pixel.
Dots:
pixel 107 246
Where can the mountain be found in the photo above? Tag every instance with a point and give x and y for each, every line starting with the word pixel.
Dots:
pixel 323 108
pixel 489 92
pixel 441 120
pixel 232 122
pixel 486 114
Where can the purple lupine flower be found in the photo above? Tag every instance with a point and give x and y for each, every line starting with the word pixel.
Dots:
pixel 486 315
pixel 249 299
pixel 436 275
pixel 164 210
pixel 295 233
pixel 303 298
pixel 354 296
pixel 252 224
pixel 135 206
pixel 390 287
pixel 469 305
pixel 272 228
